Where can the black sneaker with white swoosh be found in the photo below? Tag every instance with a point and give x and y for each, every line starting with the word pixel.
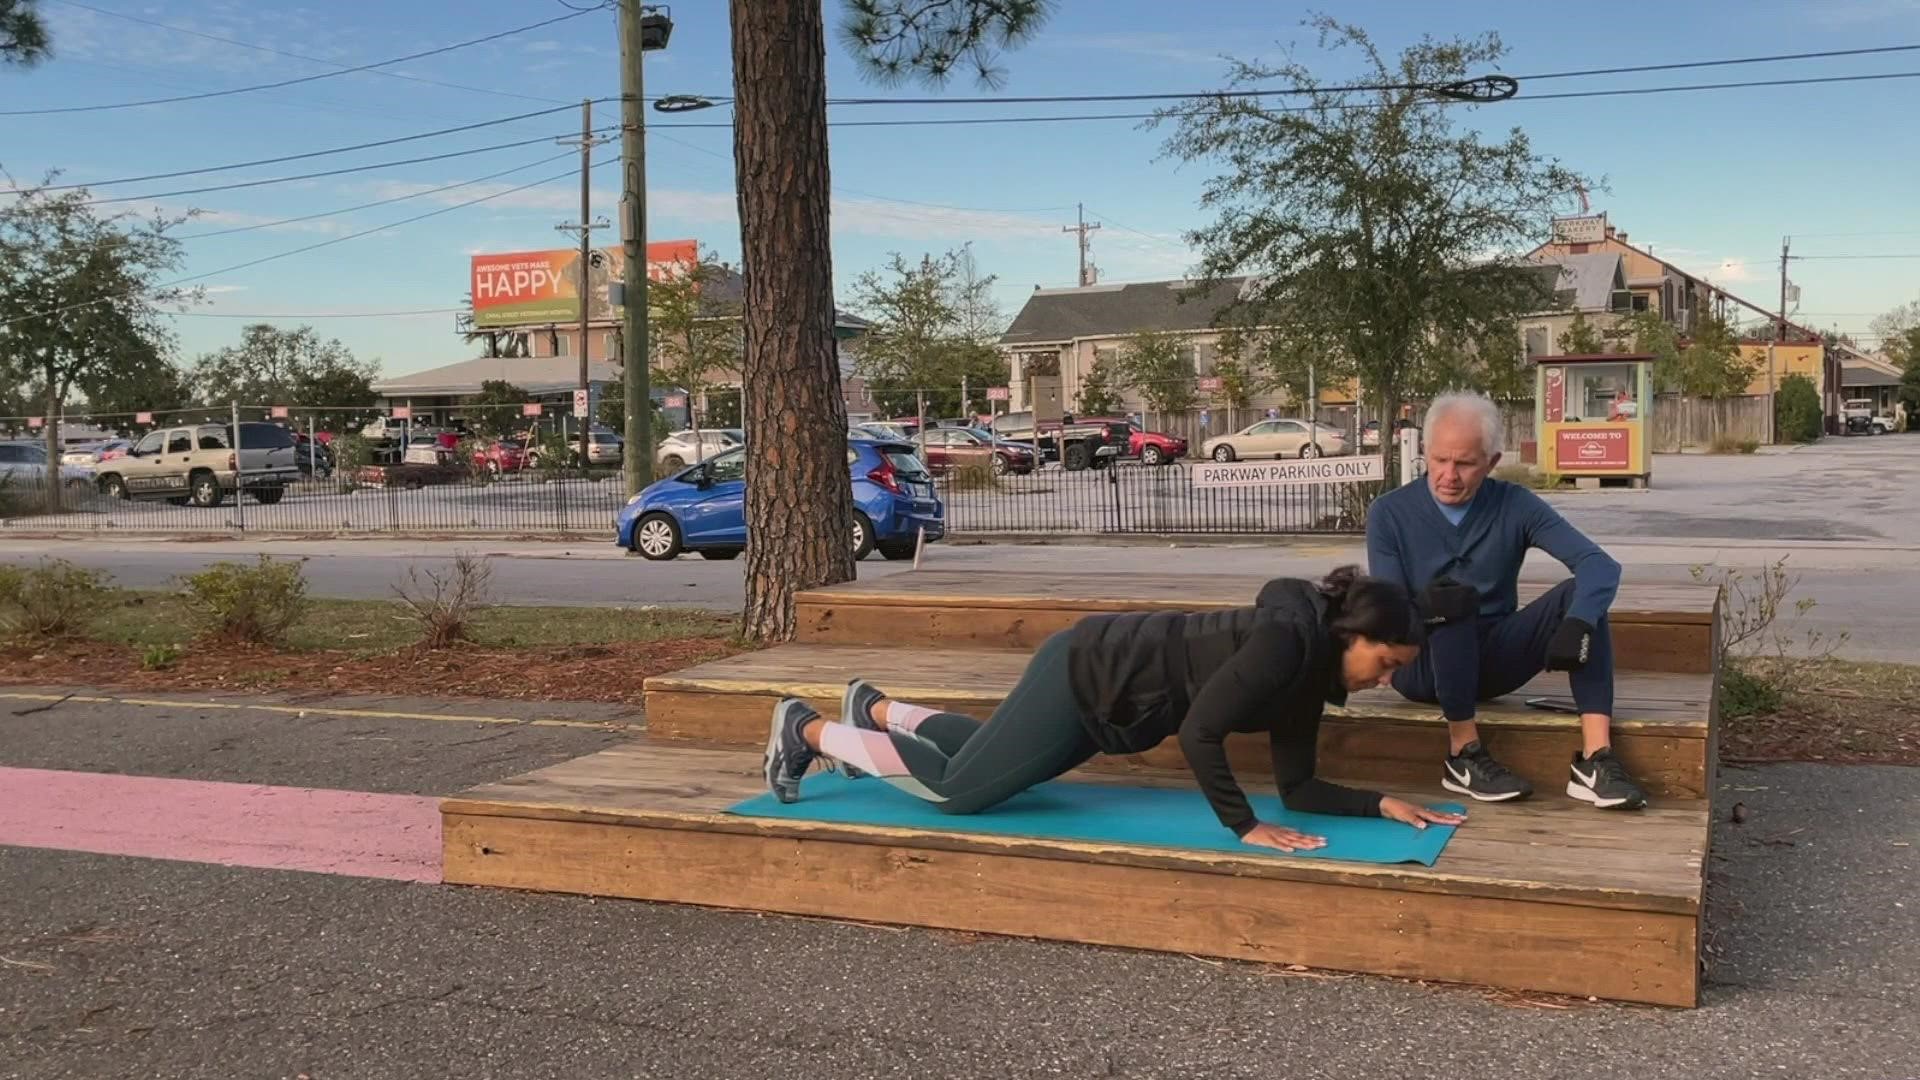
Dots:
pixel 1603 781
pixel 1474 773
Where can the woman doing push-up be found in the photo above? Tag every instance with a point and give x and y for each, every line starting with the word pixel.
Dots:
pixel 1120 684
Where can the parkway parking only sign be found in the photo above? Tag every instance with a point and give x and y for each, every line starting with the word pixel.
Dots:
pixel 1337 470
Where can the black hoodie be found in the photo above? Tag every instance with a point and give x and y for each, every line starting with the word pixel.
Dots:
pixel 1271 667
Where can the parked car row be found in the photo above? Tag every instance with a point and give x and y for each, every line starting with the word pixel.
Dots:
pixel 702 508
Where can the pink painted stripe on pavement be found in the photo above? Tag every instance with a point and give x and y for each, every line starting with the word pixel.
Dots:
pixel 355 833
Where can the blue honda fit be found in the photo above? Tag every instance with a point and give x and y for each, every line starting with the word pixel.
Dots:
pixel 703 507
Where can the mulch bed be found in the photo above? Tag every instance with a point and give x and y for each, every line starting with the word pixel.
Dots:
pixel 1878 733
pixel 611 672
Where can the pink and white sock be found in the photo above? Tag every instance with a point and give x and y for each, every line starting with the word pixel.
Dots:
pixel 873 753
pixel 904 718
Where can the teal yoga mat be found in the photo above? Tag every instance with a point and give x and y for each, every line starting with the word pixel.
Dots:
pixel 1104 813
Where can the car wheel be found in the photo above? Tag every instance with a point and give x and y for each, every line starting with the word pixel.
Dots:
pixel 862 536
pixel 999 465
pixel 1153 455
pixel 1311 450
pixel 673 463
pixel 657 537
pixel 1077 457
pixel 493 469
pixel 267 496
pixel 113 487
pixel 720 554
pixel 896 552
pixel 1223 452
pixel 205 490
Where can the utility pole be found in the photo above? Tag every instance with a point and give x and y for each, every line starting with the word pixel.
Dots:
pixel 637 455
pixel 1086 268
pixel 1779 336
pixel 585 228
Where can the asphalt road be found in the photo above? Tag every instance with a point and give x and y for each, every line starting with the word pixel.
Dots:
pixel 1866 590
pixel 118 967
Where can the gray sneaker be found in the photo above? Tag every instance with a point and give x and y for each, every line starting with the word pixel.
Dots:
pixel 856 708
pixel 1603 781
pixel 788 755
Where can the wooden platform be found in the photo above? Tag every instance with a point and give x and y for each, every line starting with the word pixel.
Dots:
pixel 1544 896
pixel 1662 730
pixel 1656 627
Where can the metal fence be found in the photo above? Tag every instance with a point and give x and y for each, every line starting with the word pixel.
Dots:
pixel 530 503
pixel 1126 498
pixel 1143 499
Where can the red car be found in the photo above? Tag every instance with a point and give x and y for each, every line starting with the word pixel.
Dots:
pixel 503 456
pixel 1152 447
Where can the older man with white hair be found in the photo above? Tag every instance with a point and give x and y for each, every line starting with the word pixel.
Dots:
pixel 1457 542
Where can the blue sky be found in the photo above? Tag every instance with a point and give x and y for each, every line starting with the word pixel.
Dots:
pixel 1711 180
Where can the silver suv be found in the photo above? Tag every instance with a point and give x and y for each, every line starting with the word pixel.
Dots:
pixel 198 465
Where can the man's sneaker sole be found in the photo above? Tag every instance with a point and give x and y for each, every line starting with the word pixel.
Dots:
pixel 1458 788
pixel 1577 790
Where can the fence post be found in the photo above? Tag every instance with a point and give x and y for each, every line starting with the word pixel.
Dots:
pixel 239 473
pixel 1113 483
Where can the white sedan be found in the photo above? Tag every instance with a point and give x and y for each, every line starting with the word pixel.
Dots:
pixel 1277 439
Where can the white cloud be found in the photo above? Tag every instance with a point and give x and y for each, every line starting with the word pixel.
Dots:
pixel 542 46
pixel 217 290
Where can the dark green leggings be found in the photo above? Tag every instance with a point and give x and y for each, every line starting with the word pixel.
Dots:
pixel 1035 735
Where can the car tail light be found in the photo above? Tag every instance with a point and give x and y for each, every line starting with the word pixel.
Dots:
pixel 233 462
pixel 887 477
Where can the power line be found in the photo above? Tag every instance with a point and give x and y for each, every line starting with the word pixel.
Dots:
pixel 295 81
pixel 311 247
pixel 377 202
pixel 329 172
pixel 299 56
pixel 1122 226
pixel 1904 255
pixel 1570 95
pixel 303 156
pixel 1294 91
pixel 318 314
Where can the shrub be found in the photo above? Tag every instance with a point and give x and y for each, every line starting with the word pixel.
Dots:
pixel 1730 444
pixel 159 657
pixel 973 476
pixel 1744 693
pixel 445 603
pixel 252 605
pixel 1529 477
pixel 52 601
pixel 1797 414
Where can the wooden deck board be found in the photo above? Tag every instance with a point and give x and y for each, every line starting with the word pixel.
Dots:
pixel 1637 601
pixel 1656 627
pixel 1538 896
pixel 1654 703
pixel 1545 848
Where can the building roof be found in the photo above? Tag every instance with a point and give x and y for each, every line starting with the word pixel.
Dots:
pixel 1868 373
pixel 534 374
pixel 1051 316
pixel 1587 282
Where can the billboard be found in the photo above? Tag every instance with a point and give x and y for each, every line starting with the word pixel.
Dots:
pixel 520 288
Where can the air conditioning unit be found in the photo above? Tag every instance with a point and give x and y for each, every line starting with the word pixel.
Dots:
pixel 1683 320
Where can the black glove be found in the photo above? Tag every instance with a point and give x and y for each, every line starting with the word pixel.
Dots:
pixel 1572 645
pixel 1447 601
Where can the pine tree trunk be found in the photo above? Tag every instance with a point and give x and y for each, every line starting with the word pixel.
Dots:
pixel 799 503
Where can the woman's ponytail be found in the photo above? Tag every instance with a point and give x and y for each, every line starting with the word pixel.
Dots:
pixel 1370 607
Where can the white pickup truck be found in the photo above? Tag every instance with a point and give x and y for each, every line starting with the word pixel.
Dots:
pixel 1860 419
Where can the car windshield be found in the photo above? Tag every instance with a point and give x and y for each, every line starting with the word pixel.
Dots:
pixel 510 444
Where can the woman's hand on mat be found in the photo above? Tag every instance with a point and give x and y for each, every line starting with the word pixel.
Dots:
pixel 1416 816
pixel 1273 836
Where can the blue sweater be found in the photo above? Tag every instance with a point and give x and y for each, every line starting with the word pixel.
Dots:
pixel 1410 541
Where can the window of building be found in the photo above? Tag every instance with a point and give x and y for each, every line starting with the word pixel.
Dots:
pixel 1539 341
pixel 1641 301
pixel 559 342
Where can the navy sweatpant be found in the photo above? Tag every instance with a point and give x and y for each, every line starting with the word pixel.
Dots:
pixel 1480 659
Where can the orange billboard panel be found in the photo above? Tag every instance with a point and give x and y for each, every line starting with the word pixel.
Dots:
pixel 521 288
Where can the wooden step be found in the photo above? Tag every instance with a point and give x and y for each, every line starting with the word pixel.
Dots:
pixel 1540 896
pixel 1656 627
pixel 1662 730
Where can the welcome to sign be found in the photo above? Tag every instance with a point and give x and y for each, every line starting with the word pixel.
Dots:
pixel 1340 470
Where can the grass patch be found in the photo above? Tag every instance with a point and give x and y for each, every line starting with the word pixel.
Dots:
pixel 1821 710
pixel 973 476
pixel 1728 444
pixel 146 620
